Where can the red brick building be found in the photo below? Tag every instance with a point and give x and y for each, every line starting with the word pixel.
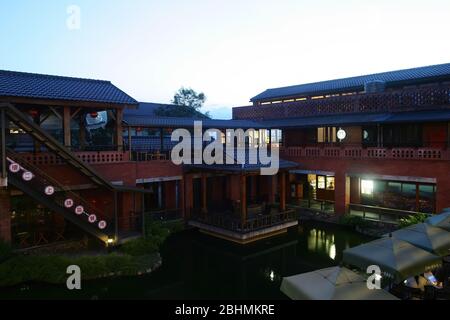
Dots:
pixel 80 156
pixel 374 145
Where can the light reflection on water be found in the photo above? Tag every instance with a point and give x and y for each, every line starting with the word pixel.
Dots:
pixel 321 241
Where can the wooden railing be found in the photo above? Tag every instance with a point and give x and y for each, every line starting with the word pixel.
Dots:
pixel 366 153
pixel 392 101
pixel 92 157
pixel 379 214
pixel 259 222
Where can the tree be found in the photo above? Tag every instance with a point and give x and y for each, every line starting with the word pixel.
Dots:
pixel 189 98
pixel 186 104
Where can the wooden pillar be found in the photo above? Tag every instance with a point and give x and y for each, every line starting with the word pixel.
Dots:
pixel 243 183
pixel 82 133
pixel 119 130
pixel 37 121
pixel 4 174
pixel 161 139
pixel 66 126
pixel 282 186
pixel 341 193
pixel 5 215
pixel 187 195
pixel 204 195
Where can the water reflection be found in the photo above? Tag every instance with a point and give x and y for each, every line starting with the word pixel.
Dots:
pixel 196 266
pixel 321 241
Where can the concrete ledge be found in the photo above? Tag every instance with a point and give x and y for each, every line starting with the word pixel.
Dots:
pixel 246 237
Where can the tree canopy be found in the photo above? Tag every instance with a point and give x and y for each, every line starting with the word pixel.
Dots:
pixel 187 103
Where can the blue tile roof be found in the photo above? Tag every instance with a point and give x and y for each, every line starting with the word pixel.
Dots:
pixel 392 78
pixel 40 86
pixel 175 122
pixel 144 116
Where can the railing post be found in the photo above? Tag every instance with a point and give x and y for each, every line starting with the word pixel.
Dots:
pixel 3 148
pixel 116 217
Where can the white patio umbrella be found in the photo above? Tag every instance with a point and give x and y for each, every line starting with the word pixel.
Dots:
pixel 441 220
pixel 335 283
pixel 427 237
pixel 397 259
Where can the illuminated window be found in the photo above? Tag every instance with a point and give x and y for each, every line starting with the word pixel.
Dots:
pixel 330 183
pixel 321 182
pixel 326 134
pixel 367 187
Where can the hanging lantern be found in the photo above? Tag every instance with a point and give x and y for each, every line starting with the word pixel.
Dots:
pixel 14 167
pixel 68 203
pixel 27 176
pixel 33 112
pixel 102 225
pixel 79 210
pixel 93 114
pixel 49 190
pixel 138 129
pixel 92 218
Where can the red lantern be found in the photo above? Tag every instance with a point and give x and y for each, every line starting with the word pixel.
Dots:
pixel 138 129
pixel 34 113
pixel 94 114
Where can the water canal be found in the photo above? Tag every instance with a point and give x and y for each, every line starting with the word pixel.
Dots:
pixel 196 266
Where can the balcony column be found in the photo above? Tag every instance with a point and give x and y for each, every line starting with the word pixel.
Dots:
pixel 4 173
pixel 243 183
pixel 118 135
pixel 187 203
pixel 341 193
pixel 66 126
pixel 5 215
pixel 161 139
pixel 282 186
pixel 204 195
pixel 82 133
pixel 37 121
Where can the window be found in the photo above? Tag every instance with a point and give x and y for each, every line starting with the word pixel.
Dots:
pixel 326 134
pixel 367 187
pixel 330 183
pixel 321 182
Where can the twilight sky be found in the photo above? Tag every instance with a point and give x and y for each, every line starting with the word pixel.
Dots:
pixel 231 50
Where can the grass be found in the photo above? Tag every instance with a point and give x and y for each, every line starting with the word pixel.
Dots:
pixel 130 259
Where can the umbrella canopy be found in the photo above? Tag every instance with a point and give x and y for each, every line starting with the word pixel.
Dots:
pixel 427 237
pixel 335 283
pixel 441 220
pixel 396 258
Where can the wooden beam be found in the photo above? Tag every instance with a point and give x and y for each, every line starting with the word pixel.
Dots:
pixel 66 126
pixel 82 132
pixel 119 130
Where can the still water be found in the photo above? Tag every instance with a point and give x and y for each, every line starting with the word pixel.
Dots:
pixel 196 266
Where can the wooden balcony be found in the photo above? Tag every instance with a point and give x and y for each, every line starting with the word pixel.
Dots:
pixel 91 157
pixel 414 99
pixel 354 152
pixel 253 229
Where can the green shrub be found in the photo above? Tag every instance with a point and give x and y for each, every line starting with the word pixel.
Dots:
pixel 5 251
pixel 140 246
pixel 413 219
pixel 354 221
pixel 52 269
